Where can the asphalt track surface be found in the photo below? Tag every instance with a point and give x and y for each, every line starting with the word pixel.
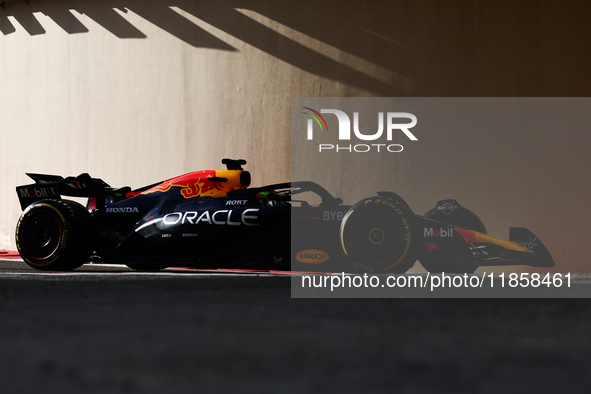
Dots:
pixel 108 329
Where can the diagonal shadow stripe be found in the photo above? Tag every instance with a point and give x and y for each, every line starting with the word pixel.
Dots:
pixel 173 23
pixel 56 10
pixel 219 14
pixel 6 27
pixel 267 40
pixel 375 39
pixel 65 19
pixel 28 21
pixel 157 12
pixel 109 19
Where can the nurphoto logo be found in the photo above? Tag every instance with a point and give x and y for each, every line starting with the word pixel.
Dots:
pixel 344 133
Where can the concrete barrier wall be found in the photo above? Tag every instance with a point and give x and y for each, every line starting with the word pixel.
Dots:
pixel 139 91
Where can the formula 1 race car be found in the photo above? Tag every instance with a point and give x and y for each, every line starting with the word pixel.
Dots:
pixel 212 219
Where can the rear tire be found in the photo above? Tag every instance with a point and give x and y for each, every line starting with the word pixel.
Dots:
pixel 380 235
pixel 55 235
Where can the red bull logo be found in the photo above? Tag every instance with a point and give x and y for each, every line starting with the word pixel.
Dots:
pixel 429 246
pixel 192 185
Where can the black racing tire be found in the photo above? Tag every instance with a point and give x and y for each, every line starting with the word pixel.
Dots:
pixel 55 235
pixel 380 235
pixel 435 263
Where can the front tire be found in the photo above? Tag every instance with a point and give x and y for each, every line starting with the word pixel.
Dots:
pixel 55 235
pixel 380 235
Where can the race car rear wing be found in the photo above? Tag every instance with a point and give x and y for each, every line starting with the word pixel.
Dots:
pixel 55 186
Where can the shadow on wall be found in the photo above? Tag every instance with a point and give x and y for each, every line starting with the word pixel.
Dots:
pixel 388 48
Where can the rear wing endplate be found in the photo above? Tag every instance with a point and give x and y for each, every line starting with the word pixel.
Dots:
pixel 55 186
